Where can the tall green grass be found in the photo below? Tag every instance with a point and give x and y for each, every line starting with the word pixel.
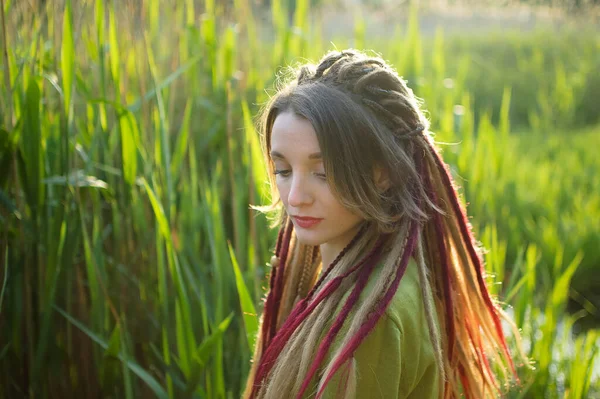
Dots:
pixel 131 265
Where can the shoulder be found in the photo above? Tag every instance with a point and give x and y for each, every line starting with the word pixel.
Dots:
pixel 400 342
pixel 396 358
pixel 407 309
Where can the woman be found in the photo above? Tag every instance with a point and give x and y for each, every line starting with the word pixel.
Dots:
pixel 377 286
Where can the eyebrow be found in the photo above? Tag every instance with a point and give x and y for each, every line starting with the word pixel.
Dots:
pixel 314 155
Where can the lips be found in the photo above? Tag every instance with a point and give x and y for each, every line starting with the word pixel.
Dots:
pixel 306 222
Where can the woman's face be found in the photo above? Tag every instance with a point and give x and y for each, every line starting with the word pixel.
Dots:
pixel 303 189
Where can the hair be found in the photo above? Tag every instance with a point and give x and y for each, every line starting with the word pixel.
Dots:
pixel 366 116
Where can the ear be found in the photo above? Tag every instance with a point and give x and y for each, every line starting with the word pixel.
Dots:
pixel 381 178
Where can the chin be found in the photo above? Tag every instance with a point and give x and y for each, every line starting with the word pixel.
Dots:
pixel 308 239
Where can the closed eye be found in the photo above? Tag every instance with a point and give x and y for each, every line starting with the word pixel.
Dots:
pixel 282 172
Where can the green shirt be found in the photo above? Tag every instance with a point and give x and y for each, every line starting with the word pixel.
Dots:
pixel 396 360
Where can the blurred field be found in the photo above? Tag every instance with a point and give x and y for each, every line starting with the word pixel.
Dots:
pixel 130 263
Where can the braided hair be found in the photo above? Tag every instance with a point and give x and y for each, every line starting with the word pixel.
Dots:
pixel 366 116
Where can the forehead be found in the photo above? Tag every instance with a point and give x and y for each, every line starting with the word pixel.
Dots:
pixel 293 136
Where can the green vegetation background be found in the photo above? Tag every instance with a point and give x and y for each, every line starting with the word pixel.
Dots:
pixel 130 263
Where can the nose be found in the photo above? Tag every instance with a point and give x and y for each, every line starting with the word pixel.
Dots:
pixel 300 193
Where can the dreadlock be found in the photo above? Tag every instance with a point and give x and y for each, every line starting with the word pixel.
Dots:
pixel 363 112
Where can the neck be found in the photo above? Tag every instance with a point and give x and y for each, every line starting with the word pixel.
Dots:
pixel 328 254
pixel 330 250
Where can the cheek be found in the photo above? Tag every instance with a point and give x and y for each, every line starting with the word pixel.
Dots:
pixel 339 210
pixel 333 204
pixel 283 190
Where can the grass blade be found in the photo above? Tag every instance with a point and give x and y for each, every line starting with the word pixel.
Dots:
pixel 129 140
pixel 250 316
pixel 67 56
pixel 203 352
pixel 115 62
pixel 31 141
pixel 5 280
pixel 132 365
